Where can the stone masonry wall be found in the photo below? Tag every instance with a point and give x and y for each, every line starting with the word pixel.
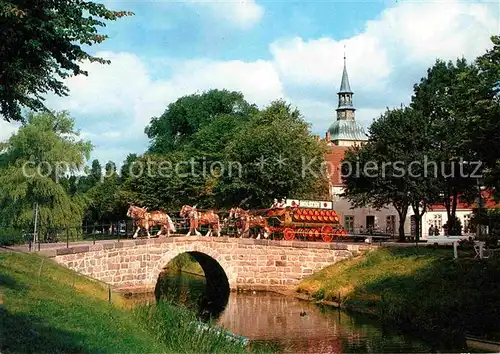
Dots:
pixel 248 263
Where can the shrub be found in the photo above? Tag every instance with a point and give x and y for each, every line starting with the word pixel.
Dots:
pixel 320 294
pixel 10 236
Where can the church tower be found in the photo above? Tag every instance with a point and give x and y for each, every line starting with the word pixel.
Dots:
pixel 346 131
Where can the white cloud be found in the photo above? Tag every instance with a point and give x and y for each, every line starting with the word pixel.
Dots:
pixel 242 14
pixel 6 129
pixel 320 61
pixel 115 102
pixel 384 61
pixel 238 14
pixel 421 32
pixel 257 80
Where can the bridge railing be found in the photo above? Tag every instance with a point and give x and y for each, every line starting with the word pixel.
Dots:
pixel 47 237
pixel 121 230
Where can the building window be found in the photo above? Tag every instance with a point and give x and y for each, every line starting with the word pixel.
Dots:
pixel 349 223
pixel 435 225
pixel 438 221
pixel 370 222
pixel 390 224
pixel 467 224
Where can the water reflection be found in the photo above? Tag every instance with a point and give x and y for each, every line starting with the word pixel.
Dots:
pixel 191 291
pixel 300 326
pixel 294 325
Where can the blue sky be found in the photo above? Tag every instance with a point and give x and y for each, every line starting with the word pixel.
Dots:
pixel 267 50
pixel 182 31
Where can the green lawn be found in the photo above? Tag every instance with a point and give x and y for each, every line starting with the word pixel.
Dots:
pixel 418 288
pixel 48 308
pixel 185 263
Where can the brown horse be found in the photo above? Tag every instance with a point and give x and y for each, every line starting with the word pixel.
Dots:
pixel 249 221
pixel 140 217
pixel 197 219
pixel 161 218
pixel 145 220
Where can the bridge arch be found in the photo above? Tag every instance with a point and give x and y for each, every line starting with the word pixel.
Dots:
pixel 245 264
pixel 219 276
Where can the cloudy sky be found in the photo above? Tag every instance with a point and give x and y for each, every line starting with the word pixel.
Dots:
pixel 267 50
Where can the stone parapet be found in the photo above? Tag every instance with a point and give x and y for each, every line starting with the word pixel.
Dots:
pixel 247 263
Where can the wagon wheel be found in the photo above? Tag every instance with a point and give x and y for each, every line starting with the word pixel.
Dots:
pixel 327 233
pixel 288 234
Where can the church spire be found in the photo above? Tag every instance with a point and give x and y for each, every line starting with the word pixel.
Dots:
pixel 345 96
pixel 344 85
pixel 345 131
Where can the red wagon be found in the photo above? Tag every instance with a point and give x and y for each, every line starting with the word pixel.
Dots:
pixel 306 219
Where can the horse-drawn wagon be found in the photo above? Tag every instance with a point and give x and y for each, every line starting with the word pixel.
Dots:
pixel 306 219
pixel 289 220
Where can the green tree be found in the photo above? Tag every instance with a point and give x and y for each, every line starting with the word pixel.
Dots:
pixel 483 100
pixel 42 44
pixel 164 182
pixel 84 183
pixel 105 204
pixel 443 96
pixel 218 138
pixel 278 156
pixel 45 150
pixel 391 167
pixel 189 115
pixel 125 169
pixel 212 138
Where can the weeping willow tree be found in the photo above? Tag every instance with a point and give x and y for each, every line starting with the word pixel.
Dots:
pixel 32 163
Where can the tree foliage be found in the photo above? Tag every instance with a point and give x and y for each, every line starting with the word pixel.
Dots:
pixel 217 138
pixel 279 158
pixel 165 182
pixel 104 203
pixel 198 121
pixel 444 97
pixel 484 112
pixel 42 153
pixel 391 167
pixel 453 122
pixel 42 44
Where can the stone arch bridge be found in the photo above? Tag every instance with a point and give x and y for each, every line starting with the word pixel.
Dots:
pixel 230 263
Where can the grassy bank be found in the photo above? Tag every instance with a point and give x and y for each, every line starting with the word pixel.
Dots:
pixel 185 263
pixel 48 308
pixel 418 288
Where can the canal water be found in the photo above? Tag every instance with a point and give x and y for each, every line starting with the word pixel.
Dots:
pixel 292 325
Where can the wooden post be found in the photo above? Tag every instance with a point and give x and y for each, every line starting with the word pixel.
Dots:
pixel 455 249
pixel 35 236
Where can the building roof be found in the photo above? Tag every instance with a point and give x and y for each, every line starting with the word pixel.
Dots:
pixel 333 159
pixel 344 84
pixel 347 130
pixel 487 195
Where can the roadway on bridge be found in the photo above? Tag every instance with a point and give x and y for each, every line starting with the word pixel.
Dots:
pixel 59 245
